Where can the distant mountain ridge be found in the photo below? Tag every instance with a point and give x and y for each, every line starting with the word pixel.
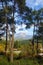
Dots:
pixel 24 38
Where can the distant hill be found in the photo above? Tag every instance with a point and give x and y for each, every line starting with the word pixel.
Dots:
pixel 23 38
pixel 19 37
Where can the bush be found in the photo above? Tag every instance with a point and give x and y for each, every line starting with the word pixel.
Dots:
pixel 26 50
pixel 17 44
pixel 2 48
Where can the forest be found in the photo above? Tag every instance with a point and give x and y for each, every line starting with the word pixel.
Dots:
pixel 20 52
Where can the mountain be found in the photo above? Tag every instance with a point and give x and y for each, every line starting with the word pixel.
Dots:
pixel 23 38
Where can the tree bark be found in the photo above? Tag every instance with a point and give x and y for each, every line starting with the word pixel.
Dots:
pixel 37 45
pixel 6 36
pixel 12 44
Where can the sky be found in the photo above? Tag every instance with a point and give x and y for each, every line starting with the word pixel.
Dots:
pixel 35 4
pixel 21 32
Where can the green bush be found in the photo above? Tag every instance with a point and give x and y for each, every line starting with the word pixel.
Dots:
pixel 17 44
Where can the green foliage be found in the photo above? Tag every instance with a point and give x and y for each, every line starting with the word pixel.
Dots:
pixel 2 42
pixel 4 61
pixel 26 48
pixel 17 44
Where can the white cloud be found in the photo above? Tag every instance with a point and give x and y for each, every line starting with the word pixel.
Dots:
pixel 23 33
pixel 34 3
pixel 39 2
pixel 18 27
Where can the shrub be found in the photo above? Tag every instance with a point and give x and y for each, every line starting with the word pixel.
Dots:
pixel 2 48
pixel 17 44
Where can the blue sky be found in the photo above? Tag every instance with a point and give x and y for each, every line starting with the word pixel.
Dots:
pixel 35 4
pixel 21 32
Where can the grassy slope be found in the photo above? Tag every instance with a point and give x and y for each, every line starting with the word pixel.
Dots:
pixel 22 61
pixel 3 61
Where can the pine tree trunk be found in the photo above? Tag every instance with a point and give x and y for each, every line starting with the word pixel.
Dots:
pixel 12 44
pixel 37 45
pixel 6 36
pixel 33 41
